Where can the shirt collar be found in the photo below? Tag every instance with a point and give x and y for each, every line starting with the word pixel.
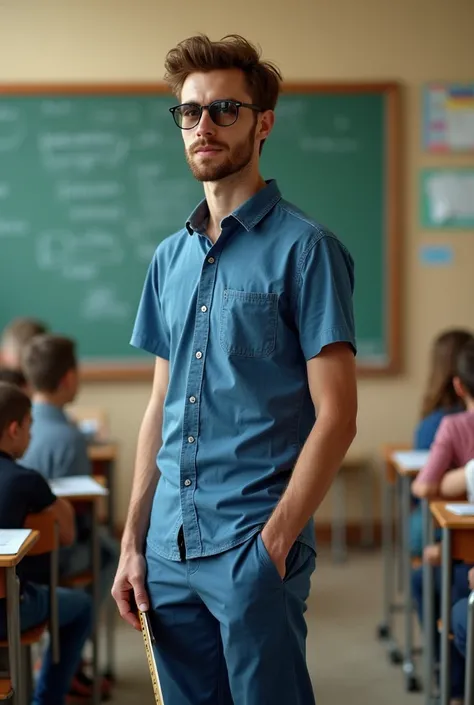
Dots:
pixel 7 456
pixel 48 411
pixel 249 214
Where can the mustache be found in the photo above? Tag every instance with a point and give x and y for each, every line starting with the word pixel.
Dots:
pixel 203 143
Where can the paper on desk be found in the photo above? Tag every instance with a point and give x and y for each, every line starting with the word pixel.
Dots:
pixel 11 540
pixel 463 509
pixel 411 459
pixel 77 486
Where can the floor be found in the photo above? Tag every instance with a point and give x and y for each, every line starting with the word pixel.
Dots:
pixel 347 663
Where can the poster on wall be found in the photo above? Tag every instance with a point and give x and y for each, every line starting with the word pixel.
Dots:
pixel 448 121
pixel 447 198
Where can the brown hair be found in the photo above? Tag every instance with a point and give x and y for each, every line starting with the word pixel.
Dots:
pixel 15 377
pixel 47 359
pixel 14 405
pixel 465 367
pixel 199 53
pixel 20 331
pixel 440 392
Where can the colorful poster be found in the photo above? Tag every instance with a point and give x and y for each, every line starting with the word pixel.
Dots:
pixel 447 198
pixel 448 123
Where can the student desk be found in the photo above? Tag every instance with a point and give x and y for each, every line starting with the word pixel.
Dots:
pixel 86 489
pixel 9 563
pixel 103 457
pixel 405 465
pixel 458 544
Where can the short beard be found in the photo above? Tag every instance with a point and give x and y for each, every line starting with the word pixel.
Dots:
pixel 239 158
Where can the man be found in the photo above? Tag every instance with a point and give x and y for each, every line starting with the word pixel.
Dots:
pixel 248 310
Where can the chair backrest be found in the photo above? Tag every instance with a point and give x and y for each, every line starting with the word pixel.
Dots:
pixel 46 524
pixel 3 587
pixel 93 421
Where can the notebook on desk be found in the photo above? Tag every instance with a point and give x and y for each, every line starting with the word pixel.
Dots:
pixel 411 459
pixel 11 540
pixel 80 486
pixel 463 509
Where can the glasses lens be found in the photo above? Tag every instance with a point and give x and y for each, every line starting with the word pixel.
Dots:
pixel 224 112
pixel 187 115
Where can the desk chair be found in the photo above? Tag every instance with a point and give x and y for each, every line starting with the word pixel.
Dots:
pixel 48 542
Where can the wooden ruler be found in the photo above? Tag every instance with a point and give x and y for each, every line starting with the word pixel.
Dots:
pixel 148 641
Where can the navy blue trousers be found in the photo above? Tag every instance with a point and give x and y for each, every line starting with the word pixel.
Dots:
pixel 229 630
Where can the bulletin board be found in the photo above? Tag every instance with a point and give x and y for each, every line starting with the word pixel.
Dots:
pixel 448 120
pixel 447 198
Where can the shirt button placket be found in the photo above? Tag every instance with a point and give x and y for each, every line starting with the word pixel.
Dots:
pixel 191 419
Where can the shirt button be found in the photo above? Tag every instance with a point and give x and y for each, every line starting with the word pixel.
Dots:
pixel 191 439
pixel 204 309
pixel 187 483
pixel 192 400
pixel 211 260
pixel 199 354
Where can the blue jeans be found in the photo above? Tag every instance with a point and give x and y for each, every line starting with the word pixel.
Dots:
pixel 77 558
pixel 459 624
pixel 416 531
pixel 228 629
pixel 75 625
pixel 460 589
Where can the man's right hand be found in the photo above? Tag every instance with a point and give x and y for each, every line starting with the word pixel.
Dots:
pixel 130 582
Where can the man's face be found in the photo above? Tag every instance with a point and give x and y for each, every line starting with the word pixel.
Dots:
pixel 213 152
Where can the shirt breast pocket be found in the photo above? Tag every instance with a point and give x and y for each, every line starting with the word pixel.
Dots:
pixel 248 325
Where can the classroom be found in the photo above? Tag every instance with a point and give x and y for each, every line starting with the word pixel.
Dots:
pixel 373 139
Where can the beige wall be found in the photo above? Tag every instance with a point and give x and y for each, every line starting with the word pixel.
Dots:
pixel 407 40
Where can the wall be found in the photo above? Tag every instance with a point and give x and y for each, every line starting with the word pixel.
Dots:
pixel 409 40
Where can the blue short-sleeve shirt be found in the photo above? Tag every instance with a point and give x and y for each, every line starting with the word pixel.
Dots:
pixel 238 321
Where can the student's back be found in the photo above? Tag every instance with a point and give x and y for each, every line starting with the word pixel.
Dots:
pixel 427 428
pixel 57 448
pixel 453 447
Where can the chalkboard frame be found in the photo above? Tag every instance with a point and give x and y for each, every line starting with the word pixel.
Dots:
pixel 131 371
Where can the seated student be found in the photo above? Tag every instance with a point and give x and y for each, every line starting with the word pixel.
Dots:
pixel 22 492
pixel 453 446
pixel 58 448
pixel 14 338
pixel 440 399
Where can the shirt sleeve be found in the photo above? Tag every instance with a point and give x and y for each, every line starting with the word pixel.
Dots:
pixel 441 456
pixel 470 480
pixel 39 492
pixel 324 312
pixel 150 332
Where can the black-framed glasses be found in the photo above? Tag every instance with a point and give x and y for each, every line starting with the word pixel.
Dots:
pixel 223 113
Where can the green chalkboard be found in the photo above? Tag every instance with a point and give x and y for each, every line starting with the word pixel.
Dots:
pixel 91 180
